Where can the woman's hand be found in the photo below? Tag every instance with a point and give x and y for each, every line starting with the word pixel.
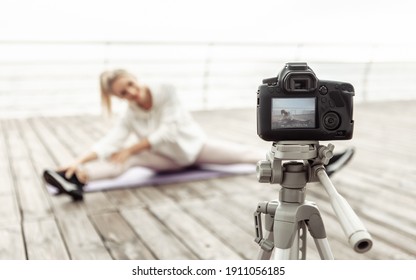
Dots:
pixel 73 167
pixel 121 156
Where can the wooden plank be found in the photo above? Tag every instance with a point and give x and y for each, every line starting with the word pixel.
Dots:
pixel 241 128
pixel 9 209
pixel 375 203
pixel 183 191
pixel 239 208
pixel 119 237
pixel 6 187
pixel 32 199
pixel 218 187
pixel 70 140
pixel 122 199
pixel 225 229
pixel 374 197
pixel 81 129
pixel 381 249
pixel 56 149
pixel 157 236
pixel 78 232
pixel 82 240
pixel 38 153
pixel 12 243
pixel 192 233
pixel 188 196
pixel 44 241
pixel 380 134
pixel 234 185
pixel 97 202
pixel 233 218
pixel 42 236
pixel 378 183
pixel 95 127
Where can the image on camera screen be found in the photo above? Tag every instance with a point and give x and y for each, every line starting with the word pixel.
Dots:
pixel 293 113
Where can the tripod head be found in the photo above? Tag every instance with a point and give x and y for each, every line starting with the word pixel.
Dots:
pixel 295 174
pixel 271 169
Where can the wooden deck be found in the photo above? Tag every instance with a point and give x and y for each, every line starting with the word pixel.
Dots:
pixel 200 220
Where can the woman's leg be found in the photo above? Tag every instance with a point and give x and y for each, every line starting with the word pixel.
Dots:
pixel 225 152
pixel 102 169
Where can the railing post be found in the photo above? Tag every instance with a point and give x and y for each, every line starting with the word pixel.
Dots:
pixel 366 74
pixel 206 75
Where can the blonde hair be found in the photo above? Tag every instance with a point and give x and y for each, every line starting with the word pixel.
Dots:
pixel 107 78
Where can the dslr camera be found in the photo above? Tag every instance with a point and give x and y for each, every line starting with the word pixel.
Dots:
pixel 295 105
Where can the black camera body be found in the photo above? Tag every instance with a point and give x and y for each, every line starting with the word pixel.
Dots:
pixel 295 105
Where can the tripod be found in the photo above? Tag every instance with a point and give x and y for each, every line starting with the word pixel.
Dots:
pixel 287 218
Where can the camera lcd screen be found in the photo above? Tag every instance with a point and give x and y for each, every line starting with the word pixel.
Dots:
pixel 293 113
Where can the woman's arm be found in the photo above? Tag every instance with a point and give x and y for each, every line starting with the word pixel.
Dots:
pixel 121 156
pixel 113 141
pixel 86 158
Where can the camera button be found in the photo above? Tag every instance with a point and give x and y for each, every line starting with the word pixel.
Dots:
pixel 323 90
pixel 331 103
pixel 341 133
pixel 323 99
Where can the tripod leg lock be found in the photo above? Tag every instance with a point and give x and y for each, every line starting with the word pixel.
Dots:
pixel 269 209
pixel 266 245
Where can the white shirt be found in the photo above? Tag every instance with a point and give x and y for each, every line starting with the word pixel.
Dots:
pixel 169 128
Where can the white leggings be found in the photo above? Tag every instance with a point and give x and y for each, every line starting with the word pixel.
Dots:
pixel 213 152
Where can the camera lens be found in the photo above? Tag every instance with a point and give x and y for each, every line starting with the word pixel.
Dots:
pixel 331 121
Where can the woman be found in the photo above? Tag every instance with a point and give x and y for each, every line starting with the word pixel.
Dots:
pixel 168 137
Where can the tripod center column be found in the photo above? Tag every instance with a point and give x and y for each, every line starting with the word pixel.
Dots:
pixel 295 177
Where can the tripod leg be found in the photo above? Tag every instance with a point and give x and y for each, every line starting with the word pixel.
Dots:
pixel 294 250
pixel 286 240
pixel 302 239
pixel 323 248
pixel 282 254
pixel 298 249
pixel 317 230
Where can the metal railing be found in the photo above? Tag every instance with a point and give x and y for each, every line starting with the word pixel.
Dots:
pixel 56 77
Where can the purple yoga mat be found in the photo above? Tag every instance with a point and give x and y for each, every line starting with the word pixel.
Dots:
pixel 139 176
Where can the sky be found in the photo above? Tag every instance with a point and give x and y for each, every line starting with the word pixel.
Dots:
pixel 301 21
pixel 294 103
